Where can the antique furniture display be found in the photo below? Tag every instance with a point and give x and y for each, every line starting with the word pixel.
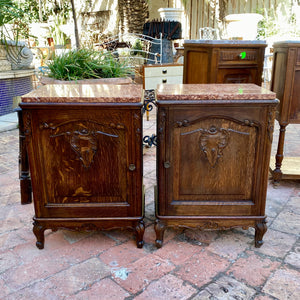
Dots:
pixel 214 143
pixel 84 146
pixel 223 61
pixel 285 83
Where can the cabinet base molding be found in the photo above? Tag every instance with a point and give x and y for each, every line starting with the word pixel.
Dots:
pixel 210 222
pixel 87 224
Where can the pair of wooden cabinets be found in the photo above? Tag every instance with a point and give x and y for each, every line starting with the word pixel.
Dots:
pixel 84 146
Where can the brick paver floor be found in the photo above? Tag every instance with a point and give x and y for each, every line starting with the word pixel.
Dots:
pixel 191 264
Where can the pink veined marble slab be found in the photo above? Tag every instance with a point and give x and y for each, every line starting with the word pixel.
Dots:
pixel 85 93
pixel 213 92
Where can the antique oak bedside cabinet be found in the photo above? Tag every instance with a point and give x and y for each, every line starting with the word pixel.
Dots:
pixel 84 146
pixel 214 143
pixel 223 61
pixel 286 84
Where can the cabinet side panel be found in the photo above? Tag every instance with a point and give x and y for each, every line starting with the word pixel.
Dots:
pixel 278 76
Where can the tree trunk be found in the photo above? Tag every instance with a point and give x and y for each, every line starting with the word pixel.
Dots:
pixel 133 15
pixel 75 25
pixel 40 11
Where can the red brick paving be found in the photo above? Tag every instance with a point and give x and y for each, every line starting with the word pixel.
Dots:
pixel 107 265
pixel 244 268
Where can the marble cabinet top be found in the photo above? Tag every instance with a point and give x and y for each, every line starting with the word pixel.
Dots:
pixel 85 93
pixel 226 42
pixel 213 92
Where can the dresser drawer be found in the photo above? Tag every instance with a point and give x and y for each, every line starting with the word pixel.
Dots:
pixel 238 56
pixel 163 71
pixel 152 82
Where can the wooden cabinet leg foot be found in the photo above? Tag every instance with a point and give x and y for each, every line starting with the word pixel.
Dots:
pixel 140 229
pixel 260 230
pixel 38 231
pixel 159 228
pixel 277 174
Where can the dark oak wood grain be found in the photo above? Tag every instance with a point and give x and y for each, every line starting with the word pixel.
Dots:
pixel 86 166
pixel 212 163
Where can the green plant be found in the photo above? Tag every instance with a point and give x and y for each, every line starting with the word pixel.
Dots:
pixel 12 22
pixel 86 64
pixel 137 46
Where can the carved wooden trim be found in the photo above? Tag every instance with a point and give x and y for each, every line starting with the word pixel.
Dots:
pixel 27 124
pixel 81 135
pixel 186 123
pixel 162 122
pixel 249 123
pixel 212 142
pixel 183 123
pixel 112 125
pixel 229 55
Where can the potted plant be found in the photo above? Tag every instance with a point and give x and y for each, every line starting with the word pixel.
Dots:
pixel 78 66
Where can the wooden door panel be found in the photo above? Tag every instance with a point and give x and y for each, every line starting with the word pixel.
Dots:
pixel 220 154
pixel 85 148
pixel 197 67
pixel 85 161
pixel 212 161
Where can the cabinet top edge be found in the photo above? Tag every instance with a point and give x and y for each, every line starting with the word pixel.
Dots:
pixel 85 93
pixel 226 42
pixel 287 43
pixel 213 92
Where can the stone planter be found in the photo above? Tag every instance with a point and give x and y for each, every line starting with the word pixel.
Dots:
pixel 5 65
pixel 171 14
pixel 15 56
pixel 242 26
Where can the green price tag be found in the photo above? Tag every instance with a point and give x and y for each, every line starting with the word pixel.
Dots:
pixel 243 55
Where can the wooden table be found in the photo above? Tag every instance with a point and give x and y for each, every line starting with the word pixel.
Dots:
pixel 223 61
pixel 214 143
pixel 286 84
pixel 84 146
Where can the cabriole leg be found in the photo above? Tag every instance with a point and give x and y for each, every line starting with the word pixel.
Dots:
pixel 260 230
pixel 139 231
pixel 38 231
pixel 159 228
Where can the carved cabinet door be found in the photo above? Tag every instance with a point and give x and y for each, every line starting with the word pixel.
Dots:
pixel 86 162
pixel 211 162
